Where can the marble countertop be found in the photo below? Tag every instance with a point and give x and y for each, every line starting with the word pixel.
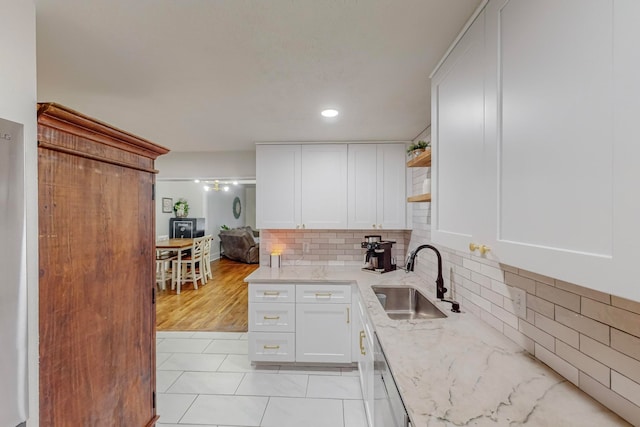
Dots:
pixel 458 371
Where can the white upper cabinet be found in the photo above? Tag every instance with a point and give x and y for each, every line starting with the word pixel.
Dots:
pixel 548 167
pixel 330 186
pixel 301 186
pixel 324 186
pixel 376 189
pixel 278 187
pixel 457 132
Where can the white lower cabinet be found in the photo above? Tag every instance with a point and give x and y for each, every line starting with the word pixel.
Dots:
pixel 323 333
pixel 300 322
pixel 272 347
pixel 363 355
pixel 272 317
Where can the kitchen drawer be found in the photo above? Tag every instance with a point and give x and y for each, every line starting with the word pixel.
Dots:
pixel 272 292
pixel 323 293
pixel 272 317
pixel 272 347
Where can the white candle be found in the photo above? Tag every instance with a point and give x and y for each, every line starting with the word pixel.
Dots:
pixel 275 260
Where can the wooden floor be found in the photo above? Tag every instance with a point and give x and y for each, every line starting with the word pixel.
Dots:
pixel 219 305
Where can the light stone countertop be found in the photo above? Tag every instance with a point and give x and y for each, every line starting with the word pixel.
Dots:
pixel 458 371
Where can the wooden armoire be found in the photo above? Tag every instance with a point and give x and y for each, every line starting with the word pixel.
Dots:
pixel 96 189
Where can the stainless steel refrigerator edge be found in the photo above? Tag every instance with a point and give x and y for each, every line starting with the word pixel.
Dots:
pixel 13 285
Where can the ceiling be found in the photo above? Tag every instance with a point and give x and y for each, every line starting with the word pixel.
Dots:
pixel 218 75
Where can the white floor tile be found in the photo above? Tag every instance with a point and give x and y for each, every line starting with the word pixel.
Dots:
pixel 354 415
pixel 161 357
pixel 218 335
pixel 292 412
pixel 240 363
pixel 206 383
pixel 273 385
pixel 192 362
pixel 174 334
pixel 164 379
pixel 228 347
pixel 180 345
pixel 309 370
pixel 231 410
pixel 171 407
pixel 332 387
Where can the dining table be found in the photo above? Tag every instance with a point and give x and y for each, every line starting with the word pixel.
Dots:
pixel 180 246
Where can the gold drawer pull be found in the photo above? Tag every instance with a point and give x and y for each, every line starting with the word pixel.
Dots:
pixel 271 317
pixel 271 293
pixel 271 347
pixel 323 294
pixel 362 351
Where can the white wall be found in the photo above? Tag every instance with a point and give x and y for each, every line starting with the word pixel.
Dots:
pixel 193 193
pixel 220 211
pixel 219 164
pixel 250 206
pixel 19 284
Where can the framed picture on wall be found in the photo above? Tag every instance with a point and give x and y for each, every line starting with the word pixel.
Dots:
pixel 167 205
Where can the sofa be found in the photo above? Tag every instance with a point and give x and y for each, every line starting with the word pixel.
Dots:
pixel 239 245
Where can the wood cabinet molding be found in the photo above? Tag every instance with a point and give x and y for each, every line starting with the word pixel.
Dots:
pixel 95 139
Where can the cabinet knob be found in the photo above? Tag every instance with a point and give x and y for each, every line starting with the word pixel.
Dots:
pixel 379 225
pixel 482 248
pixel 373 225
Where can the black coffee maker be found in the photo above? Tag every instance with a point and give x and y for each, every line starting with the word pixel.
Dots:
pixel 378 258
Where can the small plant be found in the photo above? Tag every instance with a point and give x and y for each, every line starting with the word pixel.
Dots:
pixel 224 227
pixel 420 145
pixel 181 208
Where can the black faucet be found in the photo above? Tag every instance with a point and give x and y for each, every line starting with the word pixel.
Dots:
pixel 440 289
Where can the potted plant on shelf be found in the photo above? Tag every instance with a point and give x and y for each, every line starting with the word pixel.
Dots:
pixel 416 149
pixel 181 208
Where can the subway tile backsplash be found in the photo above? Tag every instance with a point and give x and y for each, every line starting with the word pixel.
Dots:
pixel 326 247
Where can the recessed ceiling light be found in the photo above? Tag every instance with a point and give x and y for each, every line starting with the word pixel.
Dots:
pixel 196 181
pixel 329 113
pixel 225 188
pixel 235 182
pixel 207 188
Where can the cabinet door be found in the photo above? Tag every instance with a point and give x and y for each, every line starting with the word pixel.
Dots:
pixel 324 186
pixel 278 186
pixel 391 190
pixel 367 369
pixel 363 186
pixel 556 138
pixel 457 98
pixel 97 324
pixel 323 333
pixel 363 355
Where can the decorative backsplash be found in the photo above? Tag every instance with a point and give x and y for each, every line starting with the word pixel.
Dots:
pixel 326 247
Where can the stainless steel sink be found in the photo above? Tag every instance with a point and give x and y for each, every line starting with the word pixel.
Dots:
pixel 405 302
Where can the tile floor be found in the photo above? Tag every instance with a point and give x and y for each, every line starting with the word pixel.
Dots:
pixel 204 379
